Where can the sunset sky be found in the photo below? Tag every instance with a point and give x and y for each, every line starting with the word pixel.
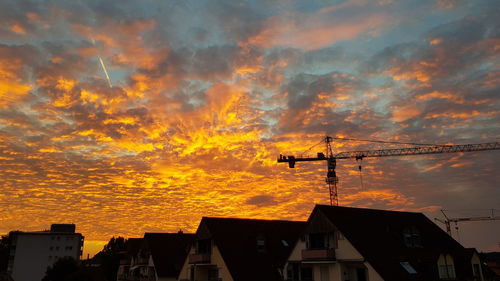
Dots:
pixel 203 96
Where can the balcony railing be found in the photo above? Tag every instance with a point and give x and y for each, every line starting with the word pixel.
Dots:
pixel 199 258
pixel 318 254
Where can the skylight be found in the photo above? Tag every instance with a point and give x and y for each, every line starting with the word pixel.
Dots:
pixel 406 265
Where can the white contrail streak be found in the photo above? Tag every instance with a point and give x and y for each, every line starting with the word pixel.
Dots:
pixel 105 72
pixel 103 66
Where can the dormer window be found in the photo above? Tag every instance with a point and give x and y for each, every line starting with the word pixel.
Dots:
pixel 411 237
pixel 476 270
pixel 446 267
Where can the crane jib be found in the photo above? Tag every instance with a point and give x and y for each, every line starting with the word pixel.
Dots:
pixel 397 152
pixel 418 150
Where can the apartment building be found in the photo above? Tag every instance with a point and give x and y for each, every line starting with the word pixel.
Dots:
pixel 32 253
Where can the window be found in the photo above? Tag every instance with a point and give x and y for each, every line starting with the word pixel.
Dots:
pixel 446 272
pixel 306 274
pixel 51 248
pixel 261 244
pixel 293 270
pixel 446 267
pixel 317 241
pixel 204 246
pixel 476 270
pixel 191 273
pixel 411 237
pixel 213 274
pixel 69 248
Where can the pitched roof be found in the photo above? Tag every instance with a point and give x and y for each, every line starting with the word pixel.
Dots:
pixel 169 251
pixel 378 237
pixel 133 246
pixel 236 240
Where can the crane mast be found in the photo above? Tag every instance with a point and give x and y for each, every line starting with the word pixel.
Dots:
pixel 331 158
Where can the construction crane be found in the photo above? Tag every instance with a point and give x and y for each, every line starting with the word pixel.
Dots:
pixel 447 221
pixel 331 158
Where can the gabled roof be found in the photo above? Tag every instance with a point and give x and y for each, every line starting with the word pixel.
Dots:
pixel 236 240
pixel 133 246
pixel 378 237
pixel 169 251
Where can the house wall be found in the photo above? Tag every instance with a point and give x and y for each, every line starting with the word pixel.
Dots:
pixel 347 259
pixel 372 274
pixel 215 259
pixel 346 250
pixel 219 261
pixel 296 254
pixel 184 274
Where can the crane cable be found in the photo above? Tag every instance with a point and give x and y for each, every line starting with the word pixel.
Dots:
pixel 309 149
pixel 393 142
pixel 360 172
pixel 374 141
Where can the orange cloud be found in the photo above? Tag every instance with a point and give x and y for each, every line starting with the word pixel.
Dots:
pixel 313 31
pixel 18 29
pixel 12 88
pixel 462 115
pixel 405 112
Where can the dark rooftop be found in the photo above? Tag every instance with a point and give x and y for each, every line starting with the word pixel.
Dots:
pixel 169 251
pixel 379 237
pixel 237 241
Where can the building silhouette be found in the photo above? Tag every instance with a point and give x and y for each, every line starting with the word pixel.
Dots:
pixel 32 253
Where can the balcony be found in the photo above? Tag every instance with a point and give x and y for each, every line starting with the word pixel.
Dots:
pixel 199 258
pixel 318 254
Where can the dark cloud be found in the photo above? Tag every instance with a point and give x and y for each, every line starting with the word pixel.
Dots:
pixel 237 19
pixel 262 200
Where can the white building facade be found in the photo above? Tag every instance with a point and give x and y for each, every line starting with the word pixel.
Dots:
pixel 32 253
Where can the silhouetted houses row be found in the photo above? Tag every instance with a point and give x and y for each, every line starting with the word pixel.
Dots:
pixel 336 243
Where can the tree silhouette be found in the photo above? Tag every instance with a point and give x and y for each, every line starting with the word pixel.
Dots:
pixel 110 256
pixel 4 251
pixel 65 269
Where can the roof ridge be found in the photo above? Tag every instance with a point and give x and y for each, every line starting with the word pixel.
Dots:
pixel 365 209
pixel 249 219
pixel 167 233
